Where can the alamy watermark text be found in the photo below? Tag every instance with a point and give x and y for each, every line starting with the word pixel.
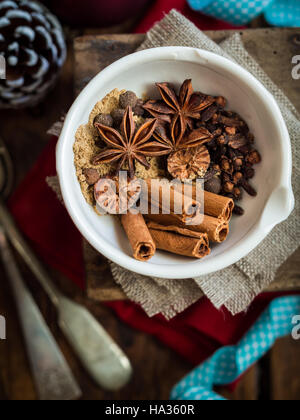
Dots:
pixel 296 68
pixel 2 67
pixel 2 328
pixel 296 329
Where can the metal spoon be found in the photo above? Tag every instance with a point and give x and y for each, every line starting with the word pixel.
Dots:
pixel 99 354
pixel 52 375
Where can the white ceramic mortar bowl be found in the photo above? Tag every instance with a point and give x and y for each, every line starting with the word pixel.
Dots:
pixel 213 75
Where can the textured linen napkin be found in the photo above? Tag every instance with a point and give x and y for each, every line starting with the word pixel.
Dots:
pixel 236 286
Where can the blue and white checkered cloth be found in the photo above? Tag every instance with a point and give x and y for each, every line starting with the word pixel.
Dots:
pixel 241 12
pixel 284 13
pixel 229 363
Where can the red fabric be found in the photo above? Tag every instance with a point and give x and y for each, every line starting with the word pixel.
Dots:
pixel 45 222
pixel 194 334
pixel 106 13
pixel 161 7
pixel 96 12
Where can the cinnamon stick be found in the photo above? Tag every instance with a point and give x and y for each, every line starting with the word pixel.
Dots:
pixel 139 236
pixel 214 205
pixel 163 199
pixel 217 229
pixel 180 241
pixel 218 206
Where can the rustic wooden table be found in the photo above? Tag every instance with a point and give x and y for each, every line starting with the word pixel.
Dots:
pixel 156 368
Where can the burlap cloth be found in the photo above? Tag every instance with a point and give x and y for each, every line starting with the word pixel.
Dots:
pixel 236 286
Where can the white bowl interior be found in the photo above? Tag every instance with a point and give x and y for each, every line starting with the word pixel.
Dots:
pixel 209 77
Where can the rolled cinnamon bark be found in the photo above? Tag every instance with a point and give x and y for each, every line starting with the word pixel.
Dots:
pixel 214 205
pixel 217 229
pixel 139 236
pixel 180 241
pixel 164 199
pixel 218 206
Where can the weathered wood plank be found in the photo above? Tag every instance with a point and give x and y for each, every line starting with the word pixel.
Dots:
pixel 246 390
pixel 101 285
pixel 94 53
pixel 13 360
pixel 285 370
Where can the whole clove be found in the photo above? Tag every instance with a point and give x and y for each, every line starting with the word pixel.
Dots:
pixel 232 152
pixel 238 211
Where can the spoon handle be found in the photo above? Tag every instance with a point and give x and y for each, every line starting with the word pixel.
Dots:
pixel 27 254
pixel 53 377
pixel 99 354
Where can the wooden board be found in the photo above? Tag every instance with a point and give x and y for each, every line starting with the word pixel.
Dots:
pixel 272 48
pixel 285 370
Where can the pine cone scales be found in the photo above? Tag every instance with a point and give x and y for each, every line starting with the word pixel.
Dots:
pixel 34 48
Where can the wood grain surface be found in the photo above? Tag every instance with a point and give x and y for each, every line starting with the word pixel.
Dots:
pixel 272 48
pixel 156 368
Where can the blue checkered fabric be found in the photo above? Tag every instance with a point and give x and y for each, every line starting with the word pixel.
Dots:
pixel 241 12
pixel 284 13
pixel 229 363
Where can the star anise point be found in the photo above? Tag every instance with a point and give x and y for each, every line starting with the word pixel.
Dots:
pixel 129 145
pixel 178 114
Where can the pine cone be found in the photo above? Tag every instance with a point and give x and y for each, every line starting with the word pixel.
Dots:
pixel 32 43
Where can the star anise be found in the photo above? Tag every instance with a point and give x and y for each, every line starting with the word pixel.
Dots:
pixel 178 111
pixel 174 142
pixel 128 146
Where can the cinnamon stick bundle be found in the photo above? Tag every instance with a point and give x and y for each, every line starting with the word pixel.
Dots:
pixel 217 229
pixel 214 205
pixel 180 241
pixel 139 236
